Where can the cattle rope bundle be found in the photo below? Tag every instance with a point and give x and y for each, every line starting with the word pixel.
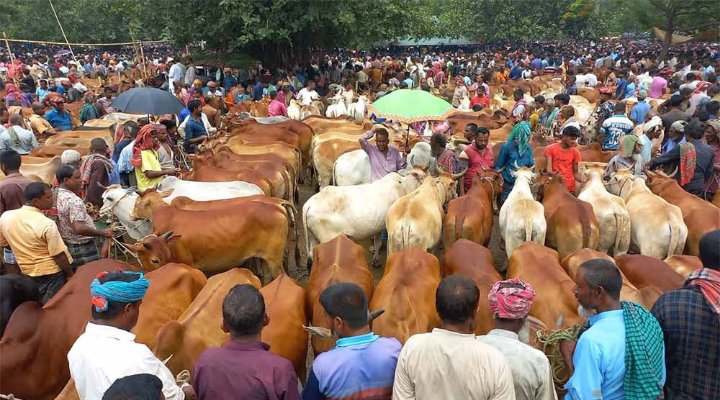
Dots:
pixel 550 340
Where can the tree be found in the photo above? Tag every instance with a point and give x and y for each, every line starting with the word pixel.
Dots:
pixel 678 15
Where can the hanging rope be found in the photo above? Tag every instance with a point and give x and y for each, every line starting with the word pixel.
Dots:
pixel 86 44
pixel 8 397
pixel 550 341
pixel 63 33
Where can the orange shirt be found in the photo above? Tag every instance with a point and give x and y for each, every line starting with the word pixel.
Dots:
pixel 563 161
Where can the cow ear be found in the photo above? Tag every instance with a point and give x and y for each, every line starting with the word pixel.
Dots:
pixel 169 236
pixel 319 331
pixel 165 193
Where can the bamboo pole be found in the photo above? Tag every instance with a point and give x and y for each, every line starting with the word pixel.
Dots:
pixel 84 44
pixel 12 57
pixel 77 65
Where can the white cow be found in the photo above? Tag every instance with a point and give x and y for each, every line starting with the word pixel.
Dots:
pixel 337 107
pixel 357 211
pixel 353 167
pixel 294 111
pixel 613 219
pixel 657 227
pixel 121 203
pixel 206 191
pixel 522 218
pixel 357 109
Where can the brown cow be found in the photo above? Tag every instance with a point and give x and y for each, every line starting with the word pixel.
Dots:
pixel 407 294
pixel 629 292
pixel 471 216
pixel 35 344
pixel 286 310
pixel 217 237
pixel 555 304
pixel 200 326
pixel 207 172
pixel 474 261
pixel 650 275
pixel 292 132
pixel 339 260
pixel 699 215
pixel 571 223
pixel 320 124
pixel 52 150
pixel 684 265
pixel 38 168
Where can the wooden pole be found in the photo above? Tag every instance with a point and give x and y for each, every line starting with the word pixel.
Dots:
pixel 12 57
pixel 142 55
pixel 79 67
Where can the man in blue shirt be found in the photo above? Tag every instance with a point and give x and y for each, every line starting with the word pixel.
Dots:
pixel 362 364
pixel 599 366
pixel 641 109
pixel 58 117
pixel 195 131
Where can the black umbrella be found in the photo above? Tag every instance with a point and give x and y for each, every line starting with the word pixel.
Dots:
pixel 147 101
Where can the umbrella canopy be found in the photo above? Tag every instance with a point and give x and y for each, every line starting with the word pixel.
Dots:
pixel 147 101
pixel 407 105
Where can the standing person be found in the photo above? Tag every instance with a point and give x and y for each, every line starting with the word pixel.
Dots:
pixel 629 157
pixel 641 109
pixel 606 108
pixel 450 362
pixel 694 160
pixel 460 92
pixel 243 368
pixel 166 137
pixel 564 158
pixel 35 241
pixel 17 138
pixel 674 113
pixel 445 158
pixel 176 75
pixel 614 128
pixel 38 123
pixel 384 158
pixel 519 110
pixel 88 110
pixel 148 171
pixel 514 153
pixel 510 303
pixel 95 171
pixel 362 364
pixel 104 103
pixel 621 354
pixel 11 197
pixel 58 117
pixel 76 226
pixel 135 387
pixel 190 72
pixel 276 108
pixel 195 131
pixel 122 155
pixel 657 86
pixel 42 90
pixel 307 94
pixel 690 321
pixel 478 155
pixel 106 350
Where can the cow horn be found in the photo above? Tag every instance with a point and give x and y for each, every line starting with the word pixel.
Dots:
pixel 167 235
pixel 375 313
pixel 102 186
pixel 324 333
pixel 675 171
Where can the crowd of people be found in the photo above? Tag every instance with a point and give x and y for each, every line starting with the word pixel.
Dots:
pixel 47 232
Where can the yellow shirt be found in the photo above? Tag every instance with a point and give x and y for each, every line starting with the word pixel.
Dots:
pixel 150 162
pixel 34 239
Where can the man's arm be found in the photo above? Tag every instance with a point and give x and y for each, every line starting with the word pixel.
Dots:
pixel 58 250
pixel 403 388
pixel 670 156
pixel 505 388
pixel 365 139
pixel 585 382
pixel 312 388
pixel 85 230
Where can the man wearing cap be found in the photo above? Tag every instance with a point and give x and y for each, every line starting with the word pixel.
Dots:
pixel 607 106
pixel 510 302
pixel 450 362
pixel 58 117
pixel 641 109
pixel 107 350
pixel 362 364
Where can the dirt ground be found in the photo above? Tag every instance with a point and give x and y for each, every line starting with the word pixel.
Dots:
pixel 301 274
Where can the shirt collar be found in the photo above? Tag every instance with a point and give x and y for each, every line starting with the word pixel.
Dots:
pixel 605 315
pixel 246 345
pixel 504 333
pixel 357 340
pixel 31 208
pixel 109 332
pixel 440 331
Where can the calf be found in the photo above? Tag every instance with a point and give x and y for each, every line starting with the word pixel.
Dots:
pixel 522 218
pixel 474 261
pixel 471 216
pixel 339 260
pixel 407 294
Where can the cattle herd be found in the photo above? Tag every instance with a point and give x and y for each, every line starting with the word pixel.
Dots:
pixel 240 205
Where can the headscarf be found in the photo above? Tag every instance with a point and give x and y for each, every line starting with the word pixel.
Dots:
pixel 511 299
pixel 688 162
pixel 117 291
pixel 627 147
pixel 521 135
pixel 715 126
pixel 144 141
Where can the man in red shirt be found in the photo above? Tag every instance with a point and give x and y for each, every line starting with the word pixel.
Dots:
pixel 480 98
pixel 563 158
pixel 276 108
pixel 478 154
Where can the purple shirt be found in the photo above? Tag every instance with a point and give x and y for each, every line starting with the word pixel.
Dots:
pixel 381 163
pixel 244 370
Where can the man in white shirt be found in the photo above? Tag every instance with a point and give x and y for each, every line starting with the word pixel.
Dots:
pixel 510 302
pixel 17 137
pixel 176 74
pixel 307 94
pixel 107 349
pixel 450 362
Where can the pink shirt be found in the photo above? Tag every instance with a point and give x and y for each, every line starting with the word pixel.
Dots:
pixel 657 87
pixel 276 109
pixel 477 160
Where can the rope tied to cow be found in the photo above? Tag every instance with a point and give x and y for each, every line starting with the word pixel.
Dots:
pixel 8 397
pixel 183 377
pixel 550 340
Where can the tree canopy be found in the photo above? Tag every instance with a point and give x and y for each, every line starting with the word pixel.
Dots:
pixel 284 29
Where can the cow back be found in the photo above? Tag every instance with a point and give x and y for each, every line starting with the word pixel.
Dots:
pixel 555 304
pixel 407 294
pixel 339 260
pixel 683 265
pixel 285 307
pixel 36 341
pixel 644 271
pixel 474 261
pixel 199 327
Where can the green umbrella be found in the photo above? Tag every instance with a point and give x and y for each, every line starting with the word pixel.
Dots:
pixel 407 105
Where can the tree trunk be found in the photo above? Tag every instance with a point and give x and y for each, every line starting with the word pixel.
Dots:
pixel 669 28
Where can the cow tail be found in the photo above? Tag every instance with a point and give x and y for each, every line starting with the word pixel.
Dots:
pixel 307 236
pixel 529 230
pixel 674 240
pixel 622 234
pixel 333 179
pixel 584 225
pixel 459 221
pixel 291 213
pixel 289 190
